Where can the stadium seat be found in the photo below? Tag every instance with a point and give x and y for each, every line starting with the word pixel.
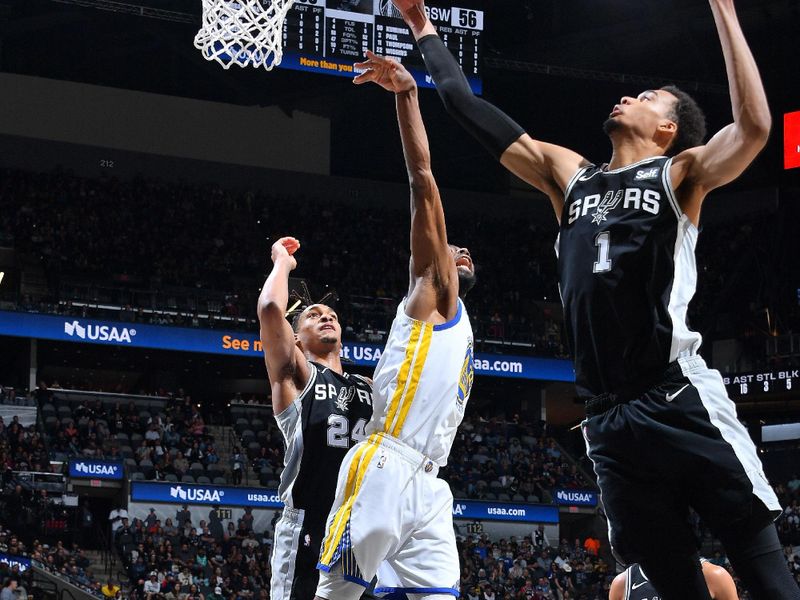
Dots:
pixel 147 468
pixel 203 479
pixel 196 470
pixel 220 481
pixel 171 477
pixel 187 479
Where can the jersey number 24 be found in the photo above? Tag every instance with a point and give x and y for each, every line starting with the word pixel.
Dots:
pixel 339 435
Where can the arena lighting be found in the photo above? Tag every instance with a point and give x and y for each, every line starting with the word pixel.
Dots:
pixel 791 140
pixel 2 274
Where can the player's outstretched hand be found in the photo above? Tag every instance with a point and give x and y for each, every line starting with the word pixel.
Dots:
pixel 283 249
pixel 387 73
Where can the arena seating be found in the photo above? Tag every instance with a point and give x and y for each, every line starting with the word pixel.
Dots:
pixel 190 270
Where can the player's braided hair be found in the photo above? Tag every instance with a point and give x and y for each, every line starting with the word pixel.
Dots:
pixel 690 119
pixel 302 300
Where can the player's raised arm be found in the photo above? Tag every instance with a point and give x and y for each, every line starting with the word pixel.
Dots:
pixel 286 365
pixel 434 277
pixel 546 167
pixel 732 149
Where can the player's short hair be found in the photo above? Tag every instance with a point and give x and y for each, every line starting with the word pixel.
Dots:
pixel 296 320
pixel 690 119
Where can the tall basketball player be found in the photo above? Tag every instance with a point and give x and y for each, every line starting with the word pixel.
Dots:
pixel 389 504
pixel 633 584
pixel 321 411
pixel 660 429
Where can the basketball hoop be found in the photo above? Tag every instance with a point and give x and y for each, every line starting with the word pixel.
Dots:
pixel 243 32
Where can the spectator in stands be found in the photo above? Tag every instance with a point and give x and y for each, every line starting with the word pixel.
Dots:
pixel 9 589
pixel 237 462
pixel 592 544
pixel 152 586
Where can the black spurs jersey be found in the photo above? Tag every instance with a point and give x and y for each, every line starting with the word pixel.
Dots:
pixel 627 273
pixel 328 417
pixel 638 586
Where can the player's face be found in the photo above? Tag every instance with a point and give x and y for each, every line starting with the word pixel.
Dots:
pixel 645 115
pixel 463 259
pixel 319 325
pixel 465 268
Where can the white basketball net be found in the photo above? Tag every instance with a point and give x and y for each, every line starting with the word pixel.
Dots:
pixel 243 32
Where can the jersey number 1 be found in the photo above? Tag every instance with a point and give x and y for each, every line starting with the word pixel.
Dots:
pixel 339 431
pixel 603 243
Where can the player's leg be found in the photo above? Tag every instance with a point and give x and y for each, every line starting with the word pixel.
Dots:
pixel 334 585
pixel 287 570
pixel 673 574
pixel 735 498
pixel 365 519
pixel 426 566
pixel 641 496
pixel 758 559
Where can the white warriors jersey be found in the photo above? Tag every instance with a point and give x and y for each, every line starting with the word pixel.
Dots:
pixel 423 381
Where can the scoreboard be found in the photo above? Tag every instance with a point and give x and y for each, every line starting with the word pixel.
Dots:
pixel 328 36
pixel 763 384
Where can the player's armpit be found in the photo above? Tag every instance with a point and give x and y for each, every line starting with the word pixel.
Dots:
pixel 546 167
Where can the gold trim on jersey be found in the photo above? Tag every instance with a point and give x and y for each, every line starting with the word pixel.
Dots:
pixel 355 477
pixel 402 376
pixel 416 372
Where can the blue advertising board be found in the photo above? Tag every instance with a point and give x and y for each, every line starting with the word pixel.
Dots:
pixel 478 510
pixel 183 493
pixel 191 494
pixel 230 343
pixel 95 469
pixel 567 497
pixel 15 561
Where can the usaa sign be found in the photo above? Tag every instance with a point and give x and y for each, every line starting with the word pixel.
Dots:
pixel 576 497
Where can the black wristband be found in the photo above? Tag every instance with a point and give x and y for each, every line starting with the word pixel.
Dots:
pixel 487 123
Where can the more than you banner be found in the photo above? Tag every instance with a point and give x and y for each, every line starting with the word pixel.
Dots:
pixel 225 496
pixel 229 343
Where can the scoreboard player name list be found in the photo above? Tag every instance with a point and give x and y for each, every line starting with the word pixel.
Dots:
pixel 331 36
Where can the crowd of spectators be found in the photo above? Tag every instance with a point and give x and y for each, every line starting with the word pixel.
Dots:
pixel 173 444
pixel 497 459
pixel 530 568
pixel 183 560
pixel 142 235
pixel 63 559
pixel 169 263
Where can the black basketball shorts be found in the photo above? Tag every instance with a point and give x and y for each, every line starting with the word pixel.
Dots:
pixel 676 446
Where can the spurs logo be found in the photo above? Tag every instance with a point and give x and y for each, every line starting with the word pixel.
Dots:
pixel 345 396
pixel 607 204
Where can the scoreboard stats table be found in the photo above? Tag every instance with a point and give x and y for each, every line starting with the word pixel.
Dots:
pixel 328 36
pixel 765 383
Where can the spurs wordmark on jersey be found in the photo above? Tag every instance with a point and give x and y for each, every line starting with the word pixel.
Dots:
pixel 627 273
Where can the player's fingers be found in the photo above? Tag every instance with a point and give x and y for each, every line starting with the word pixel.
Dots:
pixel 372 56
